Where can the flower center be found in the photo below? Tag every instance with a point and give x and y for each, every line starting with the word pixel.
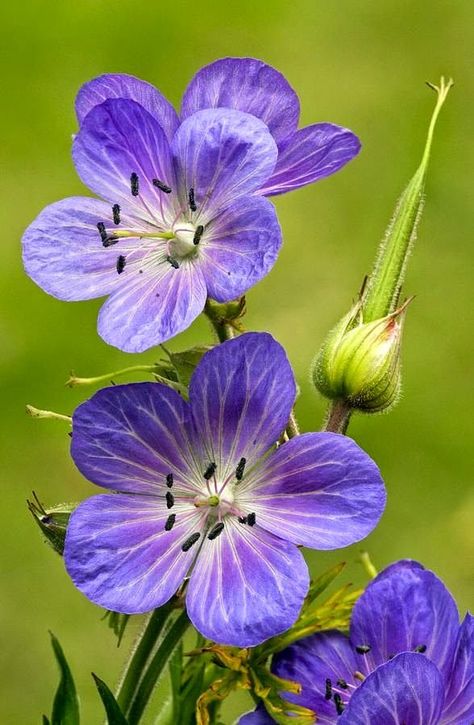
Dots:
pixel 183 242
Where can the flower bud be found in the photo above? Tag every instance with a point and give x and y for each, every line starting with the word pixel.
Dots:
pixel 52 521
pixel 359 363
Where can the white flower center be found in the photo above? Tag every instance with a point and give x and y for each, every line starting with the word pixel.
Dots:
pixel 182 243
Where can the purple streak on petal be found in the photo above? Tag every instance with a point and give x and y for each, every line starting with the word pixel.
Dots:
pixel 118 138
pixel 249 85
pixel 405 607
pixel 240 247
pixel 120 556
pixel 258 717
pixel 121 85
pixel 311 154
pixel 408 690
pixel 129 437
pixel 313 660
pixel 247 586
pixel 152 307
pixel 318 489
pixel 63 252
pixel 223 155
pixel 459 700
pixel 241 395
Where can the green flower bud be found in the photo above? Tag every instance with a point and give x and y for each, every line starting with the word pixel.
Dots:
pixel 52 521
pixel 359 363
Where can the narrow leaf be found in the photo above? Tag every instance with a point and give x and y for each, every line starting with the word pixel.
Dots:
pixel 66 702
pixel 114 714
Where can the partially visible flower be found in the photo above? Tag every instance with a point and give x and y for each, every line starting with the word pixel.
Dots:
pixel 204 493
pixel 183 216
pixel 407 660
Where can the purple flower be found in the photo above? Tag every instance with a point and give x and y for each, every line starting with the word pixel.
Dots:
pixel 407 660
pixel 202 492
pixel 184 215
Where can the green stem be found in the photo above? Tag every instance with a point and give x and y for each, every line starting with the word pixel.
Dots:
pixel 37 413
pixel 292 429
pixel 73 380
pixel 338 416
pixel 366 562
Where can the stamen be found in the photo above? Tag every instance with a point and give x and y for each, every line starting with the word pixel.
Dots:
pixel 189 542
pixel 338 703
pixel 170 521
pixel 169 480
pixel 121 261
pixel 240 469
pixel 359 676
pixel 214 533
pixel 328 693
pixel 362 649
pixel 169 499
pixel 161 186
pixel 116 213
pixel 134 184
pixel 210 471
pixel 342 684
pixel 192 200
pixel 421 648
pixel 251 519
pixel 198 234
pixel 242 519
pixel 110 240
pixel 102 232
pixel 172 261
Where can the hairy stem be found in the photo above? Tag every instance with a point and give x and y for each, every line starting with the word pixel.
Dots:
pixel 338 416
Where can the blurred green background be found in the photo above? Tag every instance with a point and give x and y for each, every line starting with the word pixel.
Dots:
pixel 361 64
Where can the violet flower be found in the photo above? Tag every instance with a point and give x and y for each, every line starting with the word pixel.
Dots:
pixel 202 492
pixel 407 660
pixel 183 215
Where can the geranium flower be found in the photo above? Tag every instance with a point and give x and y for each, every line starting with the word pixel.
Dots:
pixel 407 660
pixel 183 215
pixel 203 493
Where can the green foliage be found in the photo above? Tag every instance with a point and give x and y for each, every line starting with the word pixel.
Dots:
pixel 66 702
pixel 114 714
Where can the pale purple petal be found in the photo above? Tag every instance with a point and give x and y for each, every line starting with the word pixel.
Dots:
pixel 258 717
pixel 119 554
pixel 247 586
pixel 239 247
pixel 408 690
pixel 223 155
pixel 241 396
pixel 406 607
pixel 319 490
pixel 311 154
pixel 152 307
pixel 119 138
pixel 121 85
pixel 459 700
pixel 129 437
pixel 249 85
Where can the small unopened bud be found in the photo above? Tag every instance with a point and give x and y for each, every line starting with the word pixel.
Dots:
pixel 52 521
pixel 359 363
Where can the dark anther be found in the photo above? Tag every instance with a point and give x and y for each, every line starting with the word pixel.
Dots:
pixel 239 472
pixel 116 213
pixel 328 693
pixel 198 234
pixel 214 533
pixel 162 187
pixel 242 519
pixel 134 184
pixel 390 657
pixel 172 261
pixel 421 648
pixel 120 263
pixel 70 434
pixel 338 703
pixel 102 232
pixel 192 200
pixel 170 522
pixel 210 471
pixel 110 241
pixel 189 542
pixel 342 684
pixel 251 519
pixel 169 480
pixel 362 649
pixel 169 499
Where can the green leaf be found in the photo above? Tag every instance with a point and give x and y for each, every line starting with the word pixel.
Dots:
pixel 176 671
pixel 117 623
pixel 185 362
pixel 66 702
pixel 323 581
pixel 114 714
pixel 46 720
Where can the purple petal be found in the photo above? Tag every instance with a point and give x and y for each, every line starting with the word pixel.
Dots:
pixel 249 85
pixel 118 553
pixel 129 437
pixel 408 690
pixel 152 307
pixel 121 85
pixel 63 252
pixel 223 155
pixel 258 717
pixel 459 701
pixel 312 661
pixel 239 248
pixel 406 607
pixel 319 490
pixel 246 586
pixel 241 395
pixel 312 153
pixel 118 138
